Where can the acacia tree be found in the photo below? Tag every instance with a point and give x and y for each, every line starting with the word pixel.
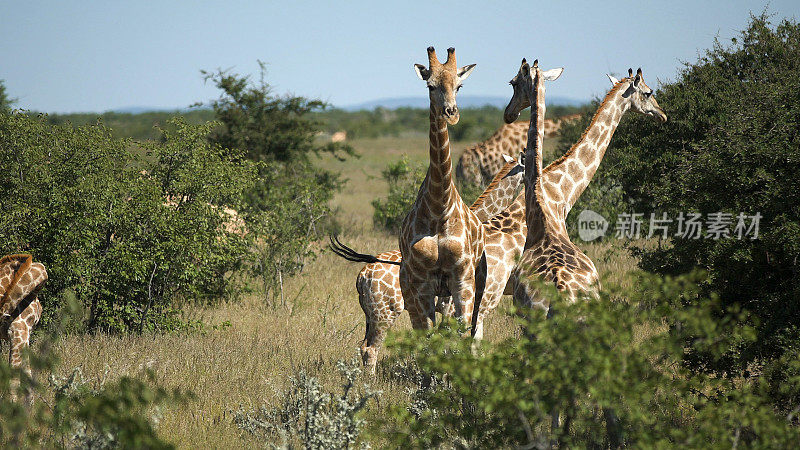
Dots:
pixel 290 197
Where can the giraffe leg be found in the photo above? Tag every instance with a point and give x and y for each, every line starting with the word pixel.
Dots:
pixel 373 341
pixel 445 307
pixel 462 287
pixel 18 337
pixel 419 299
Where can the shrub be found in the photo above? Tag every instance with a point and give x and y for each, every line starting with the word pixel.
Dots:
pixel 404 181
pixel 731 145
pixel 311 417
pixel 289 199
pixel 133 231
pixel 5 100
pixel 611 369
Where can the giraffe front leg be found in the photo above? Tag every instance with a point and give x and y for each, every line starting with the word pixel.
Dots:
pixel 444 306
pixel 462 287
pixel 419 299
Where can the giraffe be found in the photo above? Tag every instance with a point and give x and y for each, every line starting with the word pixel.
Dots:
pixel 441 240
pixel 550 193
pixel 478 163
pixel 378 283
pixel 20 282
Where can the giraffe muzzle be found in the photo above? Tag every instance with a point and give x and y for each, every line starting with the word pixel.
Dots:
pixel 451 115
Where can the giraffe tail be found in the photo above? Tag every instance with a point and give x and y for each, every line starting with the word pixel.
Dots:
pixel 351 255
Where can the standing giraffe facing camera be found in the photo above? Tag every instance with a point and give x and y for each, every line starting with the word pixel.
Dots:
pixel 378 283
pixel 441 240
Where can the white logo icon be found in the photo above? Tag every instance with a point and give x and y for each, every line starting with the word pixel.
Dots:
pixel 591 225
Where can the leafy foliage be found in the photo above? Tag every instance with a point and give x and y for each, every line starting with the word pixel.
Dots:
pixel 131 230
pixel 612 370
pixel 404 181
pixel 290 197
pixel 5 101
pixel 311 417
pixel 138 126
pixel 732 144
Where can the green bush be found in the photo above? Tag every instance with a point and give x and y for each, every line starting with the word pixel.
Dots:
pixel 133 231
pixel 139 126
pixel 731 145
pixel 613 371
pixel 5 100
pixel 404 181
pixel 288 203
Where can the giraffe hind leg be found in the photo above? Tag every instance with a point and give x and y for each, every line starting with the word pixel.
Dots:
pixel 19 336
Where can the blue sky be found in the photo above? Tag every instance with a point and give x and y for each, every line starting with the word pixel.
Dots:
pixel 62 56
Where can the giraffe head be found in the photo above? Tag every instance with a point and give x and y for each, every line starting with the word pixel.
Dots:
pixel 443 80
pixel 639 96
pixel 518 168
pixel 524 87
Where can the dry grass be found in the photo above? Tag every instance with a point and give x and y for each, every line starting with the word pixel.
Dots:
pixel 244 364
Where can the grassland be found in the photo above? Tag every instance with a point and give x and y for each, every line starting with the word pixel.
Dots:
pixel 246 362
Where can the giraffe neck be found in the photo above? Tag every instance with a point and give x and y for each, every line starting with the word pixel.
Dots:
pixel 588 152
pixel 533 157
pixel 498 195
pixel 440 188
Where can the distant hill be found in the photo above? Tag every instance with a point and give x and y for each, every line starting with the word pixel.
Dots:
pixel 147 109
pixel 467 101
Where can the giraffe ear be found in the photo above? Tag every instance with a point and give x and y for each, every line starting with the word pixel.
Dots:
pixel 507 158
pixel 552 74
pixel 422 72
pixel 465 72
pixel 613 80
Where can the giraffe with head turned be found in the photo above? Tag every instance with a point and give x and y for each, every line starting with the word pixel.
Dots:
pixel 478 163
pixel 550 193
pixel 378 283
pixel 21 279
pixel 441 240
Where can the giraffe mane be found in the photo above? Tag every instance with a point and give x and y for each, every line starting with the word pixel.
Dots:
pixel 571 150
pixel 493 185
